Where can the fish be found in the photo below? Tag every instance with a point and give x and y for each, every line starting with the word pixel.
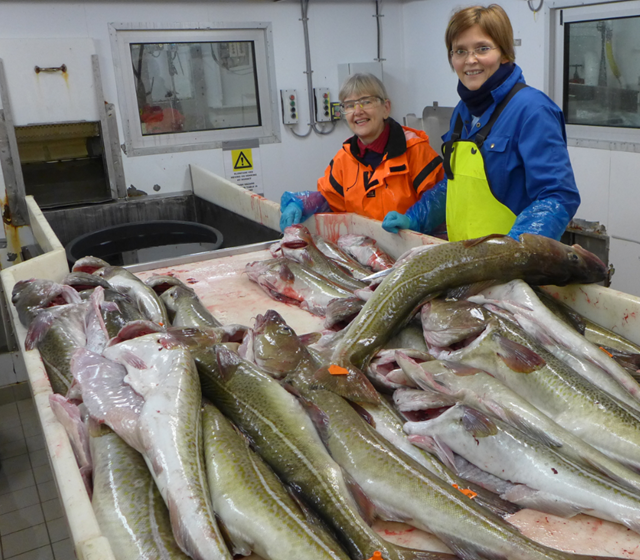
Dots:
pixel 186 310
pixel 156 408
pixel 57 333
pixel 278 340
pixel 517 298
pixel 402 490
pixel 592 331
pixel 445 322
pixel 297 244
pixel 536 258
pixel 365 250
pixel 162 282
pixel 96 331
pixel 89 264
pixel 70 417
pixel 123 312
pixel 410 336
pixel 127 503
pixel 341 311
pixel 150 305
pixel 257 511
pixel 284 436
pixel 291 282
pixel 332 251
pixel 545 480
pixel 81 281
pixel 506 352
pixel 479 390
pixel 32 296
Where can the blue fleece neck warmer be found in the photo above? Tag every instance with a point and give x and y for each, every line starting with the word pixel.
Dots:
pixel 480 100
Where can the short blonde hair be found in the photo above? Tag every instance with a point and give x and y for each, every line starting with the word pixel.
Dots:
pixel 493 21
pixel 361 85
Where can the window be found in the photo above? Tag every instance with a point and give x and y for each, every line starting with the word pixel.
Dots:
pixel 596 73
pixel 194 88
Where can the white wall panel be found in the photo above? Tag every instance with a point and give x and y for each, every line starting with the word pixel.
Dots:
pixel 624 196
pixel 591 169
pixel 625 257
pixel 49 97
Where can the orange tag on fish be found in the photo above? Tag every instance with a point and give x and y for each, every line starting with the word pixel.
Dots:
pixel 338 370
pixel 377 555
pixel 606 352
pixel 468 493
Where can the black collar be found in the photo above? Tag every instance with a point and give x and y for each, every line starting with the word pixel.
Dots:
pixel 396 146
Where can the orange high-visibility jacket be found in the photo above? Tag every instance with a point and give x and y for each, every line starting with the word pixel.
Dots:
pixel 409 167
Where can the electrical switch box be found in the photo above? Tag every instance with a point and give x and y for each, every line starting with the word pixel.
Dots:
pixel 323 104
pixel 336 111
pixel 289 99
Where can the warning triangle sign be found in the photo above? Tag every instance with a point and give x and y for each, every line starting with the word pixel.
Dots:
pixel 242 162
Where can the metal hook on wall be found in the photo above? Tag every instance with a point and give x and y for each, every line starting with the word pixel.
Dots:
pixel 51 69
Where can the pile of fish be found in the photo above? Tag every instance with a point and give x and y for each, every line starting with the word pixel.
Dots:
pixel 453 398
pixel 321 277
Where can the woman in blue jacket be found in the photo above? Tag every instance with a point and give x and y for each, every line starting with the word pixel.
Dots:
pixel 505 155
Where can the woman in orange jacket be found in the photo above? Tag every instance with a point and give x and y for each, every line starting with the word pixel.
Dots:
pixel 383 167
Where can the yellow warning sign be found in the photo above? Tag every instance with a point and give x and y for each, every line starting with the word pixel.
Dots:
pixel 242 159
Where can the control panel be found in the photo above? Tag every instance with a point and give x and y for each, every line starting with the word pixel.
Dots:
pixel 289 99
pixel 323 104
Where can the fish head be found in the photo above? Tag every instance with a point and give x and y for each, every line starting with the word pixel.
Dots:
pixel 566 264
pixel 89 265
pixel 31 296
pixel 445 322
pixel 160 283
pixel 297 232
pixel 276 347
pixel 175 297
pixel 84 281
pixel 136 329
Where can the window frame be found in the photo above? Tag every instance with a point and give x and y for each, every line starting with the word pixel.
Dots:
pixel 135 143
pixel 569 11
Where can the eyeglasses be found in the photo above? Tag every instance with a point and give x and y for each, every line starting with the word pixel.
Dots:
pixel 478 52
pixel 364 102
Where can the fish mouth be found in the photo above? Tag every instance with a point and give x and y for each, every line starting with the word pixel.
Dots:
pixel 295 244
pixel 593 261
pixel 271 316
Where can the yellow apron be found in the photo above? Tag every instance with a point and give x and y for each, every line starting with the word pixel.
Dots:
pixel 472 209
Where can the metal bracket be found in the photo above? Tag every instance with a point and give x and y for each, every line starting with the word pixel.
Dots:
pixel 10 161
pixel 110 139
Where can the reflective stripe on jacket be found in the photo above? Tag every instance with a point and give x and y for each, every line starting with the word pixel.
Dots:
pixel 409 167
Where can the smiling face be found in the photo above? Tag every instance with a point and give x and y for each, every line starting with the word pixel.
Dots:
pixel 367 124
pixel 474 71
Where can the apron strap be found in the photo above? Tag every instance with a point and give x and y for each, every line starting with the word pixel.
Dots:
pixel 482 134
pixel 447 148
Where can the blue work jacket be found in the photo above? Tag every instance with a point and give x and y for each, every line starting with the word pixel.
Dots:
pixel 525 155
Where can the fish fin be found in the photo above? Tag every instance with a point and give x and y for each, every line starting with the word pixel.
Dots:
pixel 517 357
pixel 309 338
pixel 236 543
pixel 365 505
pixel 478 423
pixel 275 294
pixel 436 446
pixel 411 400
pixel 341 311
pixel 352 385
pixel 38 329
pixel 470 290
pixel 227 360
pixel 131 359
pixel 364 414
pixel 542 501
pixel 462 370
pixel 473 242
pixel 532 431
pixel 318 416
pixel 286 274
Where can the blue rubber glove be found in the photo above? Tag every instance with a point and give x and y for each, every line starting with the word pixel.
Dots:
pixel 395 221
pixel 430 210
pixel 543 217
pixel 292 214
